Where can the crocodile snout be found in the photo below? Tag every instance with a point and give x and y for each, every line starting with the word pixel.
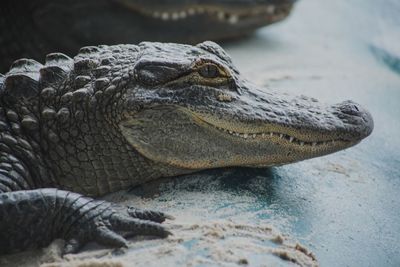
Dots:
pixel 356 117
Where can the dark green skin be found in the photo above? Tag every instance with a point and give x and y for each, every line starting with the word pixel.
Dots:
pixel 118 116
pixel 33 29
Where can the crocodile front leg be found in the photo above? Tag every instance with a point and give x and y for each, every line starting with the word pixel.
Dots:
pixel 33 218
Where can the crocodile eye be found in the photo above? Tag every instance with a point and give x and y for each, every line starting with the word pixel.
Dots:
pixel 209 71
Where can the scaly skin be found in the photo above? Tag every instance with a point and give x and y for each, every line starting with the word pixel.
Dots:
pixel 33 29
pixel 118 116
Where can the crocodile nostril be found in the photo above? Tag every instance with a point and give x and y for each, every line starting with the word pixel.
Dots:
pixel 355 116
pixel 350 108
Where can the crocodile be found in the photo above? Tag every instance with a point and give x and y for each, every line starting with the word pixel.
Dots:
pixel 118 116
pixel 45 26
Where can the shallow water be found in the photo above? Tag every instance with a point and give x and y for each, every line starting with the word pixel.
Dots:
pixel 344 207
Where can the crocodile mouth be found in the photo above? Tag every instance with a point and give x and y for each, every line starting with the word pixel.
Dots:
pixel 181 137
pixel 226 16
pixel 223 14
pixel 281 138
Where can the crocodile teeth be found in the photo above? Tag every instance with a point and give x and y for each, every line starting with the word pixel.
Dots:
pixel 284 137
pixel 182 14
pixel 233 19
pixel 270 9
pixel 221 15
pixel 175 16
pixel 191 11
pixel 165 16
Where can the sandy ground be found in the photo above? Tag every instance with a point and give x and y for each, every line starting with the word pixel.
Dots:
pixel 221 243
pixel 342 207
pixel 199 238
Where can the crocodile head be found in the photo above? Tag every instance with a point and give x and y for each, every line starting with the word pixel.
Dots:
pixel 190 108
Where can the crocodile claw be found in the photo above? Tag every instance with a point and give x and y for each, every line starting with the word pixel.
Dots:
pixel 105 224
pixel 155 216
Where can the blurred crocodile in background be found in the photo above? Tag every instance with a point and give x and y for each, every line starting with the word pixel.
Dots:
pixel 33 29
pixel 118 116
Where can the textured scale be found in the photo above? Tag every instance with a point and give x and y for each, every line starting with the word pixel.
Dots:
pixel 23 79
pixel 52 121
pixel 57 67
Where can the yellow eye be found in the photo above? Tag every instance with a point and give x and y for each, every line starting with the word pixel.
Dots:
pixel 209 71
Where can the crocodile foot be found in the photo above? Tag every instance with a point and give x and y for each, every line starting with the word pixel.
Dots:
pixel 106 223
